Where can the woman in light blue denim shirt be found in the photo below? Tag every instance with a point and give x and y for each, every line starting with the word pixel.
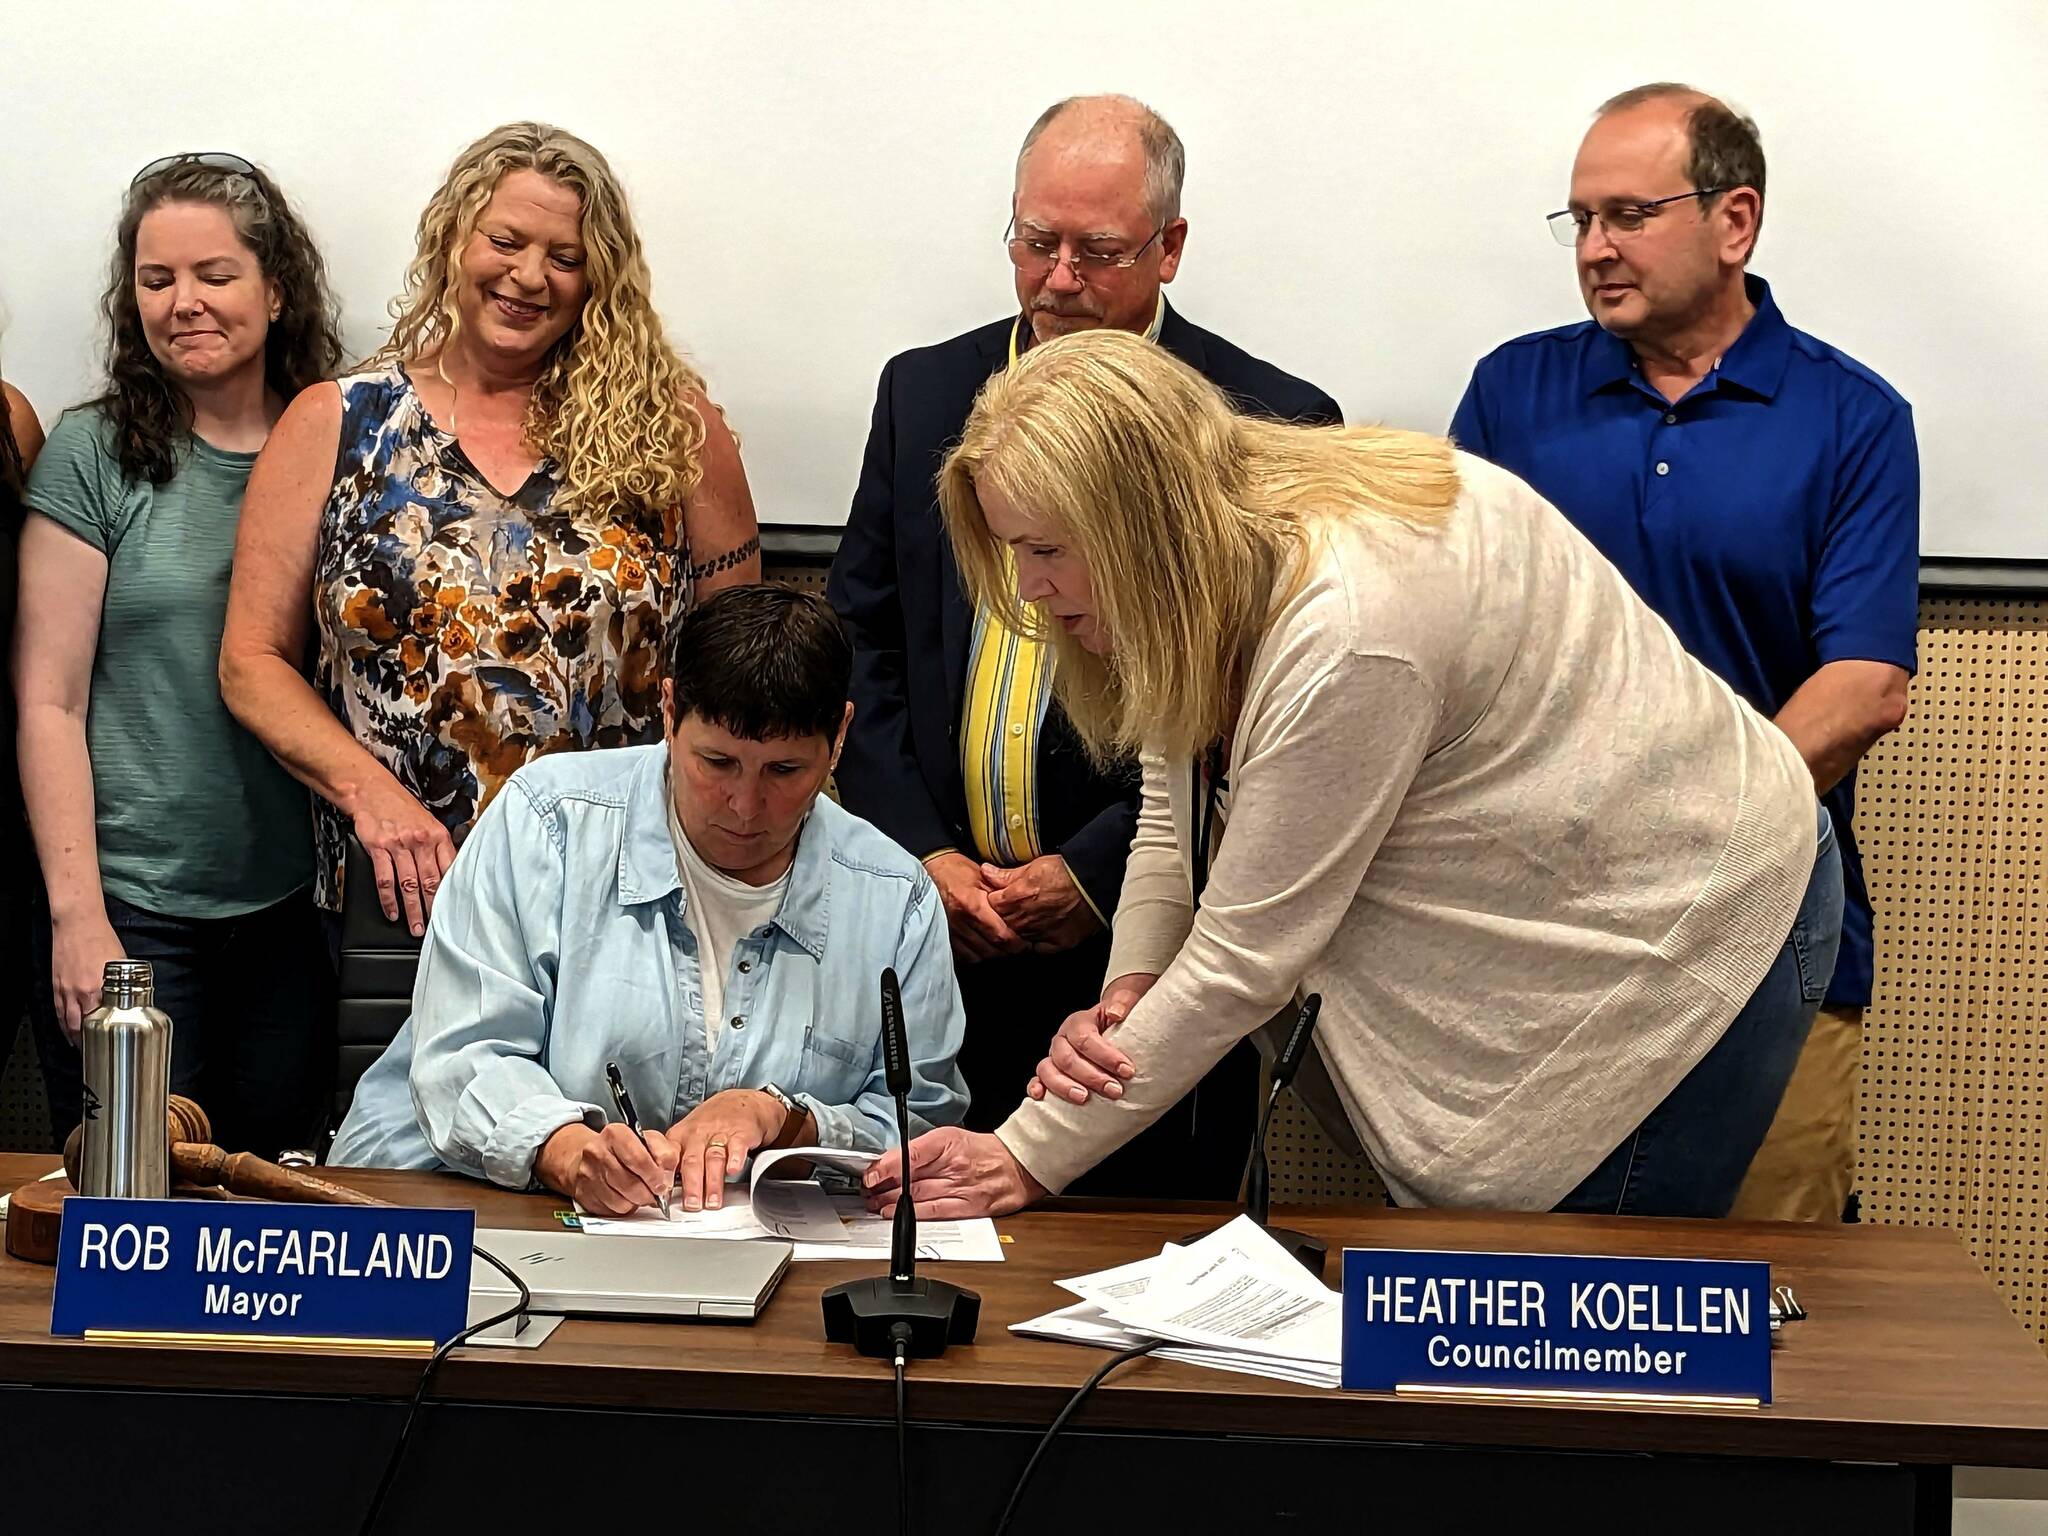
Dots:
pixel 563 939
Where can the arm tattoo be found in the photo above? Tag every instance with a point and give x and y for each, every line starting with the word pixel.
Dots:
pixel 737 555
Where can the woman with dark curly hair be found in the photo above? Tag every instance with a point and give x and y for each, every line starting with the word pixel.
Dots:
pixel 166 832
pixel 497 517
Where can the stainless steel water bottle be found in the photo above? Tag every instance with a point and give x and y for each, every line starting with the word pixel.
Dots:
pixel 126 1049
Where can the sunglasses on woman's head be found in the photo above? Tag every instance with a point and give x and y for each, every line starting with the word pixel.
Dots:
pixel 214 159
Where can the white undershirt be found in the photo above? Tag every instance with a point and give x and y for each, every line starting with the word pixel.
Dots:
pixel 721 911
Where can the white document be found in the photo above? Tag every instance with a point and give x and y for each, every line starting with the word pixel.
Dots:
pixel 1080 1323
pixel 1085 1323
pixel 1239 1291
pixel 849 1164
pixel 871 1237
pixel 795 1212
pixel 1123 1281
pixel 1234 1301
pixel 800 1211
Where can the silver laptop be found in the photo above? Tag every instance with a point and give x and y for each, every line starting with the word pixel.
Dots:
pixel 678 1279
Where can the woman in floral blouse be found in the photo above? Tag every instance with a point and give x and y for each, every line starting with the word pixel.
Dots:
pixel 497 519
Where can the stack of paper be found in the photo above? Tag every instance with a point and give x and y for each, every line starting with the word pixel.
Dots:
pixel 1234 1301
pixel 800 1211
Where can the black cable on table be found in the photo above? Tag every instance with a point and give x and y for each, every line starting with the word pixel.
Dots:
pixel 900 1337
pixel 419 1392
pixel 1121 1357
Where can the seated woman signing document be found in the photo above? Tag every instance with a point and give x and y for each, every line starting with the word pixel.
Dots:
pixel 693 912
pixel 1409 742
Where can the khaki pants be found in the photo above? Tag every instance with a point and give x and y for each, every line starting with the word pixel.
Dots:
pixel 1807 1164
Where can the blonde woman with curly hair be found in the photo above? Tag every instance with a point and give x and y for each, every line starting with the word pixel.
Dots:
pixel 1411 744
pixel 497 517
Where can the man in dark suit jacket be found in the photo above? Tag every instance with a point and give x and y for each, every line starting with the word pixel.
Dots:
pixel 1025 839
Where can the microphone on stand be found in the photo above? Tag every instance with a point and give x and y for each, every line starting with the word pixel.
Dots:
pixel 1309 1251
pixel 898 1314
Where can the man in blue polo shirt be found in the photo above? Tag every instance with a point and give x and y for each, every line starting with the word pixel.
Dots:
pixel 1760 490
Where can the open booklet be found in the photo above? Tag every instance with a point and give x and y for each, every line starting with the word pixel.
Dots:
pixel 1234 1300
pixel 821 1223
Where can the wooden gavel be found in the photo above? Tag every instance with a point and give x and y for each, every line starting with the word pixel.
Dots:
pixel 35 1212
pixel 196 1160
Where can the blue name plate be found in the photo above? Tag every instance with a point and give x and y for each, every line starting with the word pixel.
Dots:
pixel 386 1273
pixel 1519 1323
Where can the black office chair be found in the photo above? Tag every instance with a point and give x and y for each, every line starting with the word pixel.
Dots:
pixel 374 993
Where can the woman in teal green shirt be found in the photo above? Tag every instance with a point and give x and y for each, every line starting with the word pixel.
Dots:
pixel 165 832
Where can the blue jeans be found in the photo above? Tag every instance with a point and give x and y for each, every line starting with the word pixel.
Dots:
pixel 1689 1155
pixel 251 1000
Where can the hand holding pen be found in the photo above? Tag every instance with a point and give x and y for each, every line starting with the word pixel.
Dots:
pixel 659 1177
pixel 611 1172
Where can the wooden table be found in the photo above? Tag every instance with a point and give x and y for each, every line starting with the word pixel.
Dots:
pixel 1909 1365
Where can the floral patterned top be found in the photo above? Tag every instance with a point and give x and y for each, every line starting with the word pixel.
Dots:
pixel 463 631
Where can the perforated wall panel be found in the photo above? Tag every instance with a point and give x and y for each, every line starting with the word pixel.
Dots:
pixel 1953 817
pixel 24 1115
pixel 804 578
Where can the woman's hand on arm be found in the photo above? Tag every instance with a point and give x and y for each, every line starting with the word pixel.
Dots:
pixel 1154 914
pixel 724 538
pixel 1344 733
pixel 1081 1060
pixel 57 631
pixel 954 1174
pixel 263 651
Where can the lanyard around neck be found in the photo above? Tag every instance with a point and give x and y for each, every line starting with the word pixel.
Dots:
pixel 1205 783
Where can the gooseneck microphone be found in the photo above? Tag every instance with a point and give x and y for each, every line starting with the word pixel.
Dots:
pixel 899 1315
pixel 1310 1251
pixel 1258 1193
pixel 896 1075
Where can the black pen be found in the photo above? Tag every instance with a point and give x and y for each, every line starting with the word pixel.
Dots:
pixel 622 1101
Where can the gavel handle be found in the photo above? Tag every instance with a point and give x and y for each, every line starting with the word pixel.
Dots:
pixel 240 1173
pixel 244 1173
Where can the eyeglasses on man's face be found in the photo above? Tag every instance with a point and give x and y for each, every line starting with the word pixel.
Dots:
pixel 1035 252
pixel 1570 225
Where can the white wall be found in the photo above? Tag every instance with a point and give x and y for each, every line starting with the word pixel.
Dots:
pixel 823 184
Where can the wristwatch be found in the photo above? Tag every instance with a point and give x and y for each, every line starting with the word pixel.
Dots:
pixel 793 1117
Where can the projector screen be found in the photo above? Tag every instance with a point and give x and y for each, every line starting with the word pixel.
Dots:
pixel 821 185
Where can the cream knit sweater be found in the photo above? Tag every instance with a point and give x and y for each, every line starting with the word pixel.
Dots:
pixel 1534 857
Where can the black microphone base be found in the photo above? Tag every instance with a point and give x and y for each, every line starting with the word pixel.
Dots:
pixel 864 1313
pixel 1309 1252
